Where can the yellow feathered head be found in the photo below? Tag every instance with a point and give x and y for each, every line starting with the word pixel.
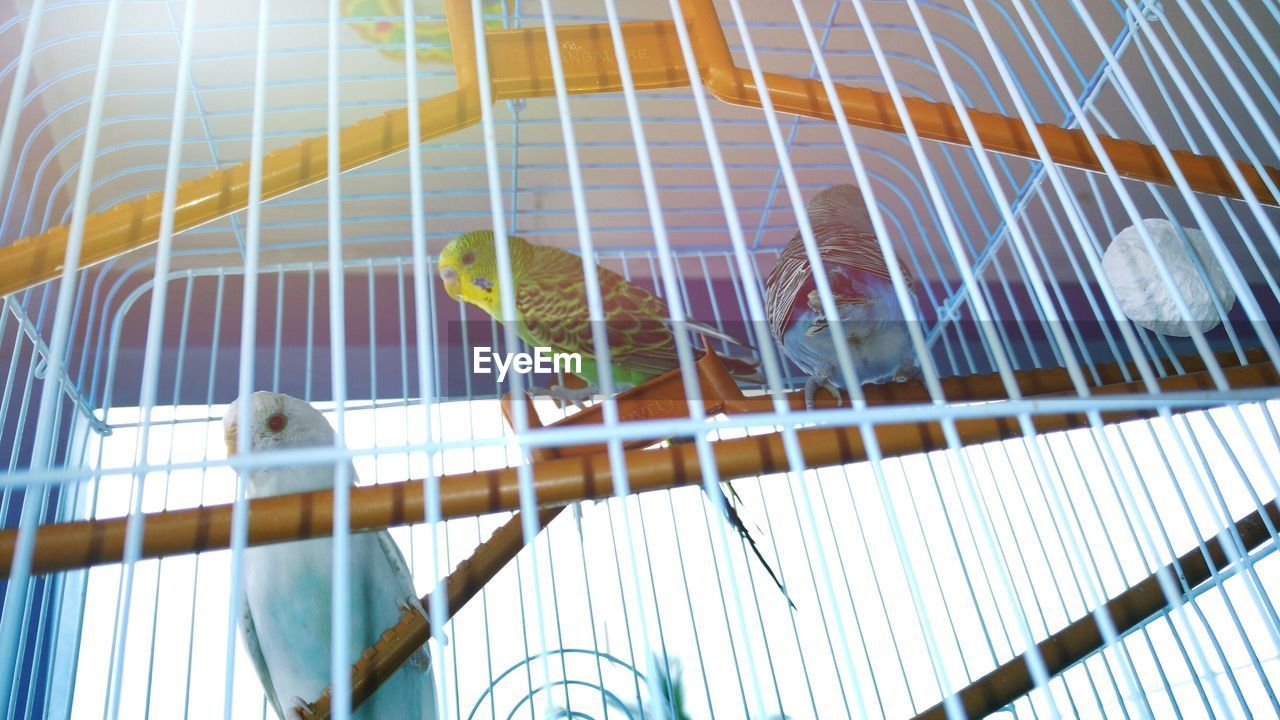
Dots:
pixel 469 268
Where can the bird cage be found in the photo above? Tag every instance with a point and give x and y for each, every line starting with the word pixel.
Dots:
pixel 1063 504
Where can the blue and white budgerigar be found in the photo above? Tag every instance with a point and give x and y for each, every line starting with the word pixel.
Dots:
pixel 873 324
pixel 288 587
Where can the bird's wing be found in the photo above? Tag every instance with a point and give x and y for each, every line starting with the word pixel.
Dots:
pixel 249 632
pixel 552 302
pixel 842 249
pixel 399 568
pixel 404 581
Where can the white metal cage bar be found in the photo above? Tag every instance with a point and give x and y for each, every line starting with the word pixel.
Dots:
pixel 1003 550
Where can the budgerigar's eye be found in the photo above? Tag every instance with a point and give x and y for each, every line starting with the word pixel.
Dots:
pixel 468 258
pixel 277 422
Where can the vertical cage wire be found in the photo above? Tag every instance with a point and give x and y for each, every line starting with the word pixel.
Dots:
pixel 913 574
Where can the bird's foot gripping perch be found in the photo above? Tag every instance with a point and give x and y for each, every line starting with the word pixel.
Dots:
pixel 811 388
pixel 564 395
pixel 908 371
pixel 300 709
pixel 412 603
pixel 420 660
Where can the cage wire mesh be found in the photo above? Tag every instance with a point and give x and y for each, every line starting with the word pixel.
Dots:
pixel 1062 512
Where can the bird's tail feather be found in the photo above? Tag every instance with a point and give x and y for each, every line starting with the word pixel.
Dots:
pixel 735 520
pixel 743 369
pixel 714 332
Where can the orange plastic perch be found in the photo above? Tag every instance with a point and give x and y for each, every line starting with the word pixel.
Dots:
pixel 520 68
pixel 940 121
pixel 659 398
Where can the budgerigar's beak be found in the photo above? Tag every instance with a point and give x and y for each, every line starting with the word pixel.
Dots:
pixel 451 282
pixel 230 436
pixel 815 301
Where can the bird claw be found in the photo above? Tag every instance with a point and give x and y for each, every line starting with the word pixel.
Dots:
pixel 564 395
pixel 412 603
pixel 301 709
pixel 811 388
pixel 420 660
pixel 907 373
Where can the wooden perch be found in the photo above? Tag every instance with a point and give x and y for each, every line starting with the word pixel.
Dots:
pixel 380 661
pixel 1128 610
pixel 377 663
pixel 559 481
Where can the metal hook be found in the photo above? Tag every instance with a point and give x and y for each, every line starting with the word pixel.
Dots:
pixel 42 367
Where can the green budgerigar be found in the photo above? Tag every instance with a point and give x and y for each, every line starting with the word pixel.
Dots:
pixel 551 311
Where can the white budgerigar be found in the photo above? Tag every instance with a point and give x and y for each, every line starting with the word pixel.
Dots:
pixel 285 622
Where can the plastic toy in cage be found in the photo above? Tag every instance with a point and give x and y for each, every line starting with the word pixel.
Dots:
pixel 1145 298
pixel 432 36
